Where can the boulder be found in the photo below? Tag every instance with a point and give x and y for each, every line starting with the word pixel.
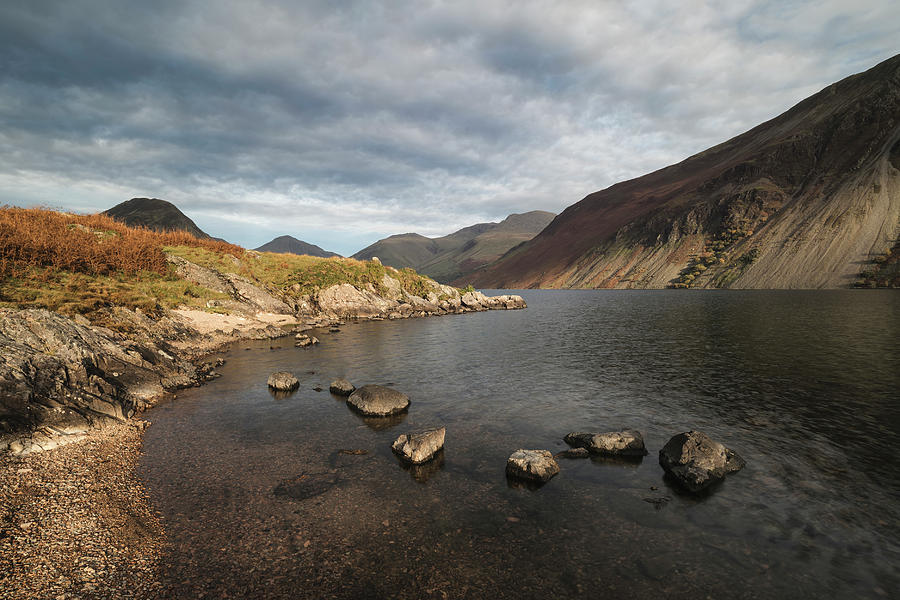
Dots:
pixel 695 461
pixel 421 446
pixel 341 387
pixel 612 443
pixel 378 401
pixel 283 381
pixel 344 300
pixel 533 465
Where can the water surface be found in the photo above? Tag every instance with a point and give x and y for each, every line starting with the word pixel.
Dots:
pixel 259 502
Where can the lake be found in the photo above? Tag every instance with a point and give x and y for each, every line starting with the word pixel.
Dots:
pixel 259 500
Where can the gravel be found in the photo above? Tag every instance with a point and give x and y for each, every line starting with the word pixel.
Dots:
pixel 75 522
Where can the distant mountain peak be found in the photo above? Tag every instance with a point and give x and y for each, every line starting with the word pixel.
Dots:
pixel 286 244
pixel 155 214
pixel 453 256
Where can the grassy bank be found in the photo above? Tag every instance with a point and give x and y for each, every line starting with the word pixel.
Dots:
pixel 78 264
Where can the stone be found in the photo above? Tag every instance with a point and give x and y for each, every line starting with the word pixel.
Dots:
pixel 420 446
pixel 341 387
pixel 573 453
pixel 612 443
pixel 695 461
pixel 344 300
pixel 283 381
pixel 61 376
pixel 533 465
pixel 378 401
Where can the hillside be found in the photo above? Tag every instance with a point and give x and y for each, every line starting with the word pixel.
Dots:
pixel 98 319
pixel 809 199
pixel 154 214
pixel 287 244
pixel 453 257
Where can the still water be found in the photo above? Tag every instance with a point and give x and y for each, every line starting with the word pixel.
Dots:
pixel 803 385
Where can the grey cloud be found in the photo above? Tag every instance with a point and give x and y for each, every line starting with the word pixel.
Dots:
pixel 387 117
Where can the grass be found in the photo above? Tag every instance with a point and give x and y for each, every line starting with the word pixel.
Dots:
pixel 91 244
pixel 77 264
pixel 80 293
pixel 298 275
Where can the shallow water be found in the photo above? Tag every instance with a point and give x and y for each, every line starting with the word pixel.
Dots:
pixel 804 385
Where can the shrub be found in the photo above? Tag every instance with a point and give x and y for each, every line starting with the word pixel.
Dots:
pixel 90 244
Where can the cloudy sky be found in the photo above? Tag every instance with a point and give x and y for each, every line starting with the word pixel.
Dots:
pixel 343 122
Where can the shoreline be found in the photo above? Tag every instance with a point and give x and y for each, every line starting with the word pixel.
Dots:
pixel 75 519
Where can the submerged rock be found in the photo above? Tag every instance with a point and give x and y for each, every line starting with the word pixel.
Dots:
pixel 341 387
pixel 612 443
pixel 305 485
pixel 533 465
pixel 573 453
pixel 695 461
pixel 420 446
pixel 283 381
pixel 378 401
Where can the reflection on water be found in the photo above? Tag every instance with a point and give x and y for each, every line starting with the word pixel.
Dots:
pixel 259 500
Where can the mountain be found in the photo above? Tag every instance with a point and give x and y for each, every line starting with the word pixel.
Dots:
pixel 154 214
pixel 452 257
pixel 808 199
pixel 287 244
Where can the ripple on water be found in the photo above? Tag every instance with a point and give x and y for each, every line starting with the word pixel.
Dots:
pixel 257 495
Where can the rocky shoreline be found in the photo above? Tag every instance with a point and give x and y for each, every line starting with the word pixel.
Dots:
pixel 75 521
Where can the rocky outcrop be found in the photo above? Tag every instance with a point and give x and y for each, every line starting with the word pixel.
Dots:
pixel 532 465
pixel 244 296
pixel 60 378
pixel 283 381
pixel 613 443
pixel 421 446
pixel 695 461
pixel 378 401
pixel 345 300
pixel 341 387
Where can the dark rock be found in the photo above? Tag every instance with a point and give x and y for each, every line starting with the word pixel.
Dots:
pixel 613 443
pixel 378 401
pixel 341 387
pixel 533 465
pixel 306 485
pixel 59 375
pixel 695 461
pixel 283 381
pixel 420 446
pixel 573 453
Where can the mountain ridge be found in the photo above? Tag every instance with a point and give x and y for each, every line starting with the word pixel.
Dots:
pixel 799 201
pixel 452 257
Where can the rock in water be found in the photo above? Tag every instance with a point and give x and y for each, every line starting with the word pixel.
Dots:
pixel 696 461
pixel 378 401
pixel 613 443
pixel 533 465
pixel 283 381
pixel 573 453
pixel 341 387
pixel 421 446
